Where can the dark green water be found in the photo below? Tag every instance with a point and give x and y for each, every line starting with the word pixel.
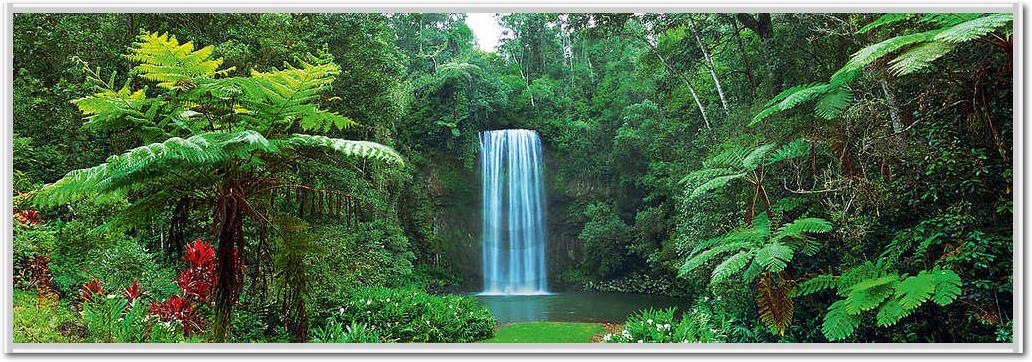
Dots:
pixel 574 306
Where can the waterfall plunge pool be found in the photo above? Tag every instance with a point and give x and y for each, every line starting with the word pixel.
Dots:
pixel 574 306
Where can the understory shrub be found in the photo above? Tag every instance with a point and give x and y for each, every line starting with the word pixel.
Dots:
pixel 638 283
pixel 412 315
pixel 663 326
pixel 336 332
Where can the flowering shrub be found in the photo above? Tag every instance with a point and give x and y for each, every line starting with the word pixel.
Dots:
pixel 336 332
pixel 412 315
pixel 662 326
pixel 28 217
pixel 132 292
pixel 178 310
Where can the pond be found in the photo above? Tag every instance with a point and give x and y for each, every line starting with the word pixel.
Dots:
pixel 574 306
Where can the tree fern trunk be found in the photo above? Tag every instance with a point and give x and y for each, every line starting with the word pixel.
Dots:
pixel 230 230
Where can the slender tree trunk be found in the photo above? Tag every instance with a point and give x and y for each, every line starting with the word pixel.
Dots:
pixel 683 78
pixel 894 110
pixel 709 65
pixel 745 57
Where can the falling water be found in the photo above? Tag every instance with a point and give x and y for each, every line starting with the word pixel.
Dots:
pixel 513 211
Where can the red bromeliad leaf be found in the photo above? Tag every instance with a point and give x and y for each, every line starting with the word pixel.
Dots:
pixel 91 290
pixel 178 309
pixel 132 292
pixel 197 281
pixel 28 217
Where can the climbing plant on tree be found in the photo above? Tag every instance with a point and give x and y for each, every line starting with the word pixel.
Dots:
pixel 221 142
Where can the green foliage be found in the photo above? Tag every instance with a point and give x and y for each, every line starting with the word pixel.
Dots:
pixel 662 326
pixel 411 315
pixel 39 321
pixel 869 286
pixel 756 248
pixel 336 332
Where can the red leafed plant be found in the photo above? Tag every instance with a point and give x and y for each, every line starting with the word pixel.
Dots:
pixel 132 292
pixel 91 290
pixel 197 281
pixel 28 217
pixel 180 310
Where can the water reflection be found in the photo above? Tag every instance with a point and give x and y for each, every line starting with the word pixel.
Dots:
pixel 573 307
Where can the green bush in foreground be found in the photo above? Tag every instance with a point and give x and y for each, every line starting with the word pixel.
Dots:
pixel 662 326
pixel 412 315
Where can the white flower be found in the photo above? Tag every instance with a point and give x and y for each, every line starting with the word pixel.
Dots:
pixel 368 302
pixel 650 322
pixel 640 341
pixel 110 296
pixel 705 299
pixel 607 337
pixel 342 309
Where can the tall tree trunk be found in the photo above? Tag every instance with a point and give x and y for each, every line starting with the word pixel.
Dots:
pixel 745 57
pixel 683 78
pixel 709 65
pixel 894 111
pixel 230 235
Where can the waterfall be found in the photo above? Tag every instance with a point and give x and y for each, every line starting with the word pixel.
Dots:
pixel 513 211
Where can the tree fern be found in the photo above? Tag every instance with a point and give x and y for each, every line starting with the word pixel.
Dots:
pixel 974 28
pixel 833 103
pixel 869 286
pixel 174 66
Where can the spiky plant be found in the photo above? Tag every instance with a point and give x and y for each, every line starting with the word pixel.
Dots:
pixel 748 164
pixel 757 251
pixel 219 141
pixel 937 35
pixel 871 286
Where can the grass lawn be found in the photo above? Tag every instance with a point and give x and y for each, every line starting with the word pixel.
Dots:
pixel 546 332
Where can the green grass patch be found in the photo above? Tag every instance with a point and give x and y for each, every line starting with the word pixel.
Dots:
pixel 546 332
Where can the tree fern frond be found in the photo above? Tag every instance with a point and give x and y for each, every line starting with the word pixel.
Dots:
pixel 361 149
pixel 809 225
pixel 869 294
pixel 891 312
pixel 839 324
pixel 755 157
pixel 919 57
pixel 974 28
pixel 833 103
pixel 715 183
pixel 804 94
pixel 774 304
pixel 815 285
pixel 730 266
pixel 797 148
pixel 774 257
pixel 707 174
pixel 947 286
pixel 705 256
pixel 915 290
pixel 164 60
pixel 869 54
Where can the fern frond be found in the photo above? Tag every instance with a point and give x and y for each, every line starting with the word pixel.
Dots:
pixel 873 52
pixel 974 28
pixel 915 290
pixel 707 174
pixel 815 285
pixel 891 312
pixel 172 65
pixel 360 149
pixel 798 227
pixel 773 302
pixel 804 94
pixel 839 324
pixel 797 148
pixel 774 257
pixel 715 183
pixel 947 286
pixel 833 103
pixel 869 294
pixel 919 57
pixel 281 98
pixel 730 266
pixel 705 256
pixel 755 157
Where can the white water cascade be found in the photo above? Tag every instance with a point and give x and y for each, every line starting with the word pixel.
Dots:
pixel 513 212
